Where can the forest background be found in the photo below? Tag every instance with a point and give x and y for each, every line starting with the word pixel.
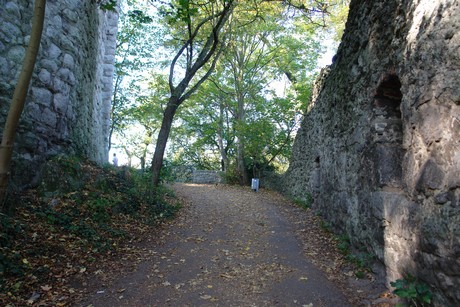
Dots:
pixel 243 107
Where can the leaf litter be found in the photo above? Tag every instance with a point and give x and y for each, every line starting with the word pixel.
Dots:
pixel 227 247
pixel 221 251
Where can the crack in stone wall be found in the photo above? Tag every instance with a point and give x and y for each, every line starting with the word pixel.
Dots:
pixel 379 149
pixel 68 105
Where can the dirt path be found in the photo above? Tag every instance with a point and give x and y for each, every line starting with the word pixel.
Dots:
pixel 230 247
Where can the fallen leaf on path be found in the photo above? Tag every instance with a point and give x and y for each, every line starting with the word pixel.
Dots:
pixel 35 296
pixel 178 286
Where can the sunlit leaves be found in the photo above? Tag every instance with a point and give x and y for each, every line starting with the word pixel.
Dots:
pixel 265 43
pixel 178 10
pixel 238 104
pixel 337 17
pixel 136 48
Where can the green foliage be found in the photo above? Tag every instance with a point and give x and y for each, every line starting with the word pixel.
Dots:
pixel 231 176
pixel 166 174
pixel 157 200
pixel 9 230
pixel 343 244
pixel 337 17
pixel 108 5
pixel 137 41
pixel 360 274
pixel 240 105
pixel 159 208
pixel 140 16
pixel 10 265
pixel 363 261
pixel 60 175
pixel 415 292
pixel 265 43
pixel 304 203
pixel 68 228
pixel 99 209
pixel 325 226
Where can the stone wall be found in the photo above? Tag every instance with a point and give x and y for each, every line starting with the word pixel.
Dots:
pixel 68 104
pixel 203 176
pixel 380 148
pixel 183 173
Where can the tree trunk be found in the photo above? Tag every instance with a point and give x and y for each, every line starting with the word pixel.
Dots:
pixel 224 159
pixel 212 47
pixel 142 158
pixel 240 119
pixel 112 110
pixel 163 136
pixel 241 165
pixel 220 136
pixel 19 97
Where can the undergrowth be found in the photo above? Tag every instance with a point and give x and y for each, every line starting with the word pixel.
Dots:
pixel 78 213
pixel 358 257
pixel 414 292
pixel 304 203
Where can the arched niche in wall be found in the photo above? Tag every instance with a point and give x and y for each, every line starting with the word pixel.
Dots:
pixel 387 132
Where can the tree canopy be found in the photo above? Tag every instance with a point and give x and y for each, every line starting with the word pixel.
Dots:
pixel 240 71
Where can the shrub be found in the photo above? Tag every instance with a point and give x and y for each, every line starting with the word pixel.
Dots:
pixel 304 203
pixel 408 288
pixel 343 244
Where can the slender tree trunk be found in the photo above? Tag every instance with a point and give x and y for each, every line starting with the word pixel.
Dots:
pixel 241 166
pixel 19 98
pixel 130 155
pixel 142 158
pixel 112 110
pixel 240 163
pixel 240 118
pixel 211 48
pixel 163 136
pixel 223 154
pixel 220 136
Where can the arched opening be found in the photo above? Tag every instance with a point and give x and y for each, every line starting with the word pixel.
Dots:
pixel 388 132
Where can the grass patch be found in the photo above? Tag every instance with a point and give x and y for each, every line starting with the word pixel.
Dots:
pixel 360 260
pixel 343 244
pixel 326 226
pixel 305 202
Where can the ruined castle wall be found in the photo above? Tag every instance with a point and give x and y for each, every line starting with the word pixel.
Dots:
pixel 379 149
pixel 68 105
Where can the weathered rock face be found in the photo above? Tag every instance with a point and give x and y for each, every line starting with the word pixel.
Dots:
pixel 380 148
pixel 68 105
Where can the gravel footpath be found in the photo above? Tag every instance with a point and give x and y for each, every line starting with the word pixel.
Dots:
pixel 232 246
